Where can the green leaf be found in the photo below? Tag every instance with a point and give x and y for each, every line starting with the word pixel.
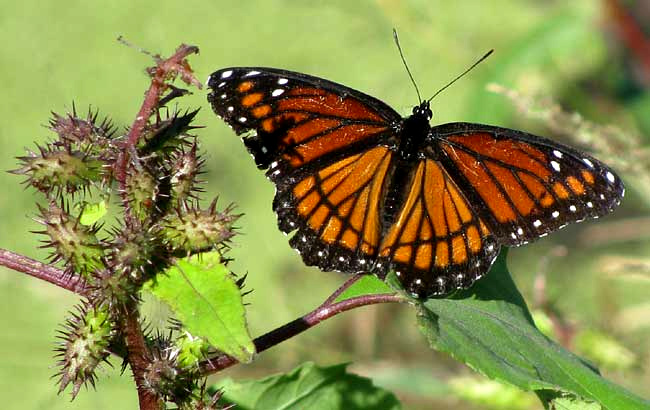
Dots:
pixel 367 285
pixel 489 328
pixel 203 295
pixel 92 213
pixel 309 387
pixel 567 403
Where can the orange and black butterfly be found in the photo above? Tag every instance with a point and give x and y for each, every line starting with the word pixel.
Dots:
pixel 367 190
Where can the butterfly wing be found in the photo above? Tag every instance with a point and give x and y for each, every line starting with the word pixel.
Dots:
pixel 296 118
pixel 438 241
pixel 525 186
pixel 325 149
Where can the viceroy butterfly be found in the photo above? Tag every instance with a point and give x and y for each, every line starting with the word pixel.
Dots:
pixel 367 190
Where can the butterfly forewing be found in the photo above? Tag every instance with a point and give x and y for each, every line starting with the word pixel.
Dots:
pixel 296 118
pixel 336 211
pixel 526 186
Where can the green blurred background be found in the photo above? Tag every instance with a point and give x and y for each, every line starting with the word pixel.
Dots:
pixel 588 283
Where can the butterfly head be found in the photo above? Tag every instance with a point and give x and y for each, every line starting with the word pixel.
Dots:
pixel 423 111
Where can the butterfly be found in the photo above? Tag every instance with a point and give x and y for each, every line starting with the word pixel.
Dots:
pixel 364 189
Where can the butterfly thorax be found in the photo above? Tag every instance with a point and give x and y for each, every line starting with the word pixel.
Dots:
pixel 414 131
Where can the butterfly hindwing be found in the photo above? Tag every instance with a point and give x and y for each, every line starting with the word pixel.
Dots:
pixel 526 186
pixel 336 210
pixel 438 242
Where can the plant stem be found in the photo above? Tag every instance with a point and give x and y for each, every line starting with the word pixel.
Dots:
pixel 299 325
pixel 137 357
pixel 165 70
pixel 160 75
pixel 48 273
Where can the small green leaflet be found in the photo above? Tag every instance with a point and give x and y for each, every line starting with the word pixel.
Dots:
pixel 93 212
pixel 203 295
pixel 367 285
pixel 309 387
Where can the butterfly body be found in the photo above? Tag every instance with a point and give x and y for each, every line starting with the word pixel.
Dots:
pixel 364 189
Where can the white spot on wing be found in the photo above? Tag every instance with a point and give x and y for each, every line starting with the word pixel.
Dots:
pixel 283 81
pixel 251 73
pixel 520 231
pixel 557 153
pixel 590 205
pixel 221 84
pixel 537 223
pixel 586 161
pixel 418 281
pixel 555 165
pixel 242 119
pixel 277 92
pixel 555 214
pixel 226 74
pixel 230 109
pixel 610 177
pixel 572 208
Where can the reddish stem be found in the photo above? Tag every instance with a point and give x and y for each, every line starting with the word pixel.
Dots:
pixel 137 357
pixel 164 71
pixel 299 325
pixel 161 74
pixel 42 271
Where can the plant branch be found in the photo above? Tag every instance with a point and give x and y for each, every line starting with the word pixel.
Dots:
pixel 138 357
pixel 301 324
pixel 164 71
pixel 40 270
pixel 342 289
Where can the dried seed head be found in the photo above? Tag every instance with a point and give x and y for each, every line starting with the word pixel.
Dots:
pixel 163 376
pixel 185 167
pixel 54 171
pixel 142 190
pixel 72 129
pixel 193 230
pixel 72 242
pixel 137 253
pixel 83 347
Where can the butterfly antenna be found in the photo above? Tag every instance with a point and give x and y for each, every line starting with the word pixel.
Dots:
pixel 396 38
pixel 480 60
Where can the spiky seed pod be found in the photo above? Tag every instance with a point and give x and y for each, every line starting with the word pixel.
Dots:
pixel 83 347
pixel 138 253
pixel 142 190
pixel 163 376
pixel 73 129
pixel 54 171
pixel 72 242
pixel 192 229
pixel 185 168
pixel 208 401
pixel 112 290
